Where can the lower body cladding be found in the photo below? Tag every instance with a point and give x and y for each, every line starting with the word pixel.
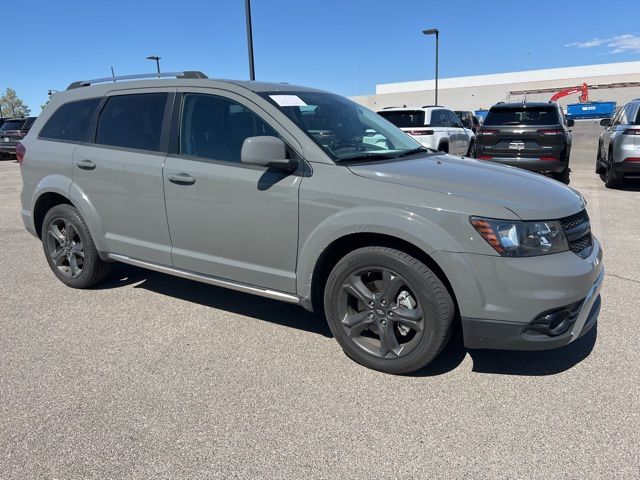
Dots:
pixel 537 164
pixel 532 303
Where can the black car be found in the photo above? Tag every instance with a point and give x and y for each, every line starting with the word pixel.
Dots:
pixel 533 136
pixel 12 131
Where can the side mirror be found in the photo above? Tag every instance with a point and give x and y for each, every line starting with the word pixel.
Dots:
pixel 570 122
pixel 605 122
pixel 266 152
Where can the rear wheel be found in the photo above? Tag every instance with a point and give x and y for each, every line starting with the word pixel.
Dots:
pixel 612 179
pixel 563 176
pixel 599 168
pixel 69 248
pixel 388 310
pixel 443 147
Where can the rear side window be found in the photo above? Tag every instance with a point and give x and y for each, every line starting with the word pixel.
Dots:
pixel 216 127
pixel 523 116
pixel 440 118
pixel 637 122
pixel 132 121
pixel 70 121
pixel 405 118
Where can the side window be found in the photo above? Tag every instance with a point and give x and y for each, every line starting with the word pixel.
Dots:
pixel 617 117
pixel 637 122
pixel 132 121
pixel 70 121
pixel 625 118
pixel 453 119
pixel 215 127
pixel 439 119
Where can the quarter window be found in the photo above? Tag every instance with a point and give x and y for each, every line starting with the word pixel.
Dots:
pixel 439 118
pixel 132 121
pixel 215 127
pixel 71 121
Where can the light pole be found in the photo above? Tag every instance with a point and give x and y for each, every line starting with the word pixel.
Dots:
pixel 247 9
pixel 436 32
pixel 157 59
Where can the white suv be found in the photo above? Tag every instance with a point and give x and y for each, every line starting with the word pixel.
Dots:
pixel 434 127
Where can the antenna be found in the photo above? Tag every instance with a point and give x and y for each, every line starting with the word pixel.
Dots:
pixel 113 74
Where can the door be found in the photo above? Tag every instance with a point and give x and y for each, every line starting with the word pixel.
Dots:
pixel 609 132
pixel 121 175
pixel 460 138
pixel 229 220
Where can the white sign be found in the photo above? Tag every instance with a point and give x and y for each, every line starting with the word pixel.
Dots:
pixel 288 100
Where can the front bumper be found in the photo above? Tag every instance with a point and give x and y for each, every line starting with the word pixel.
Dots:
pixel 496 334
pixel 531 164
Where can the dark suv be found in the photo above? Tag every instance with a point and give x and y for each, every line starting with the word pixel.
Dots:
pixel 533 136
pixel 12 131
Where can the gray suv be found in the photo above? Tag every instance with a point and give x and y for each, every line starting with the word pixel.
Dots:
pixel 619 146
pixel 278 191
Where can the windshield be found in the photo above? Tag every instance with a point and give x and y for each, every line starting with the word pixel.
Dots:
pixel 12 125
pixel 344 129
pixel 522 116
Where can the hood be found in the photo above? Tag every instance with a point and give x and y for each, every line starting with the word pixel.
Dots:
pixel 529 195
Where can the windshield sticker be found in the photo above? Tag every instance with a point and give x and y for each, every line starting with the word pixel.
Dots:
pixel 288 100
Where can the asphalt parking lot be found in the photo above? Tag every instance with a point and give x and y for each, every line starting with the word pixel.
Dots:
pixel 155 376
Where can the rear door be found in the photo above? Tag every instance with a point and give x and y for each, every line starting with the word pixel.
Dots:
pixel 527 131
pixel 121 174
pixel 458 134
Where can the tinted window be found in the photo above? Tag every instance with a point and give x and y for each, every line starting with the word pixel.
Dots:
pixel 523 116
pixel 132 121
pixel 637 122
pixel 439 118
pixel 12 125
pixel 215 127
pixel 405 118
pixel 454 121
pixel 70 121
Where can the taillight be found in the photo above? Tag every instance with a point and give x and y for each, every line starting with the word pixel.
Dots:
pixel 484 157
pixel 549 159
pixel 420 132
pixel 632 159
pixel 551 132
pixel 20 151
pixel 488 132
pixel 631 131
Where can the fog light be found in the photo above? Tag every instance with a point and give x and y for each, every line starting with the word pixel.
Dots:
pixel 552 324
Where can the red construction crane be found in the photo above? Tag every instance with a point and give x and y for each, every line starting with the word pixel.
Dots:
pixel 582 89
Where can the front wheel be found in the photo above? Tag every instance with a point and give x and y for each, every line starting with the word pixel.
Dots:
pixel 472 150
pixel 388 310
pixel 69 248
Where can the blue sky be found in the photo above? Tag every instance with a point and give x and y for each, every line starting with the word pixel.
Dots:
pixel 343 46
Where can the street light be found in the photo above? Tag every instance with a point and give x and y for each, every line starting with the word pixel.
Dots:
pixel 247 10
pixel 157 59
pixel 436 32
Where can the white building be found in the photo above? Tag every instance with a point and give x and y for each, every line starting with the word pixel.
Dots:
pixel 618 82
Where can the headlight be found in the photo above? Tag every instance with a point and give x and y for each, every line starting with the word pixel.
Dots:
pixel 522 239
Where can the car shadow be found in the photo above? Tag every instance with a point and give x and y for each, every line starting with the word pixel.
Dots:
pixel 273 311
pixel 549 362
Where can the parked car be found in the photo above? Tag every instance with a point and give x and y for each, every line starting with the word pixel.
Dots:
pixel 437 128
pixel 11 132
pixel 533 136
pixel 469 120
pixel 273 190
pixel 618 154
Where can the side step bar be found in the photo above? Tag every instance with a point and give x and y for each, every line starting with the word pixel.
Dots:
pixel 218 282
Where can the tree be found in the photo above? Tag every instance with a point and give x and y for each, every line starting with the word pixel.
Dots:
pixel 12 106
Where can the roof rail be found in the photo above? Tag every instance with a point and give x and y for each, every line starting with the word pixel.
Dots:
pixel 428 106
pixel 387 108
pixel 186 74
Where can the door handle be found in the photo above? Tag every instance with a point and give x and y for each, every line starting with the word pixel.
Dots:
pixel 86 164
pixel 181 179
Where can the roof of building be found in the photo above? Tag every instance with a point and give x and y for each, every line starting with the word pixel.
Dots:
pixel 585 71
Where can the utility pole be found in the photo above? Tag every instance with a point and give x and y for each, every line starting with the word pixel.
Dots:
pixel 247 8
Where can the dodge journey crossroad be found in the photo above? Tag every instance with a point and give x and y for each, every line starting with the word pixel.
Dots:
pixel 279 191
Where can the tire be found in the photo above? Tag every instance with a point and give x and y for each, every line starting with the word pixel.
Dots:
pixel 388 310
pixel 599 169
pixel 612 179
pixel 69 248
pixel 443 147
pixel 563 176
pixel 472 150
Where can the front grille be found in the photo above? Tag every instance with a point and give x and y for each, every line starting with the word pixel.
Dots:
pixel 578 231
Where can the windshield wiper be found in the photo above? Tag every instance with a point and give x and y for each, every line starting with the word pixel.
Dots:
pixel 414 151
pixel 367 156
